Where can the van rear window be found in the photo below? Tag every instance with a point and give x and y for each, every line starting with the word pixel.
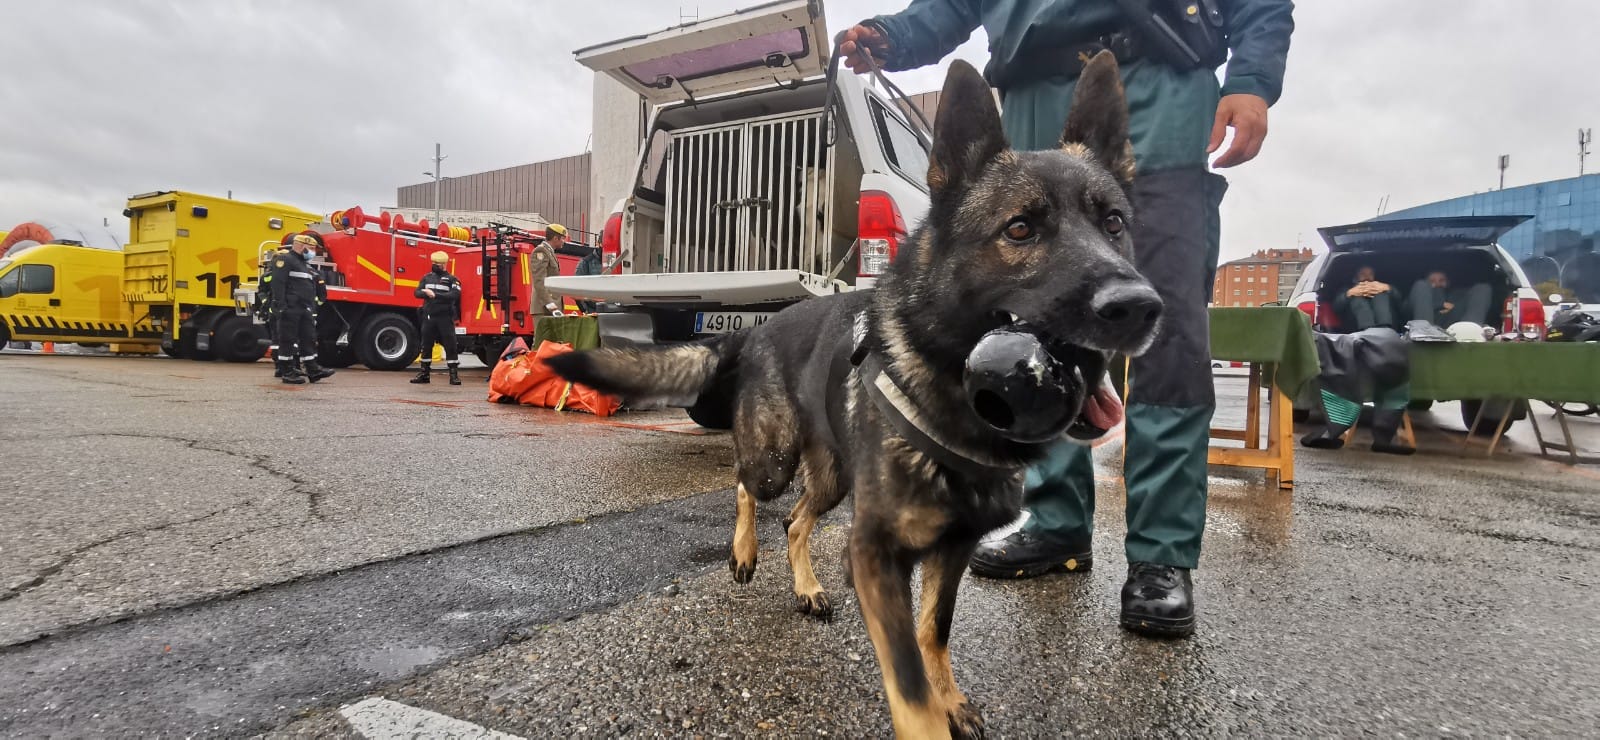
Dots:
pixel 900 143
pixel 733 56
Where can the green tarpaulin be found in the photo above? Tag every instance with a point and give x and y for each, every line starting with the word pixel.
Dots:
pixel 582 332
pixel 1546 371
pixel 1276 334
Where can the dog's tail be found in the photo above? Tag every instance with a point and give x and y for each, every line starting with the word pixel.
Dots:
pixel 672 374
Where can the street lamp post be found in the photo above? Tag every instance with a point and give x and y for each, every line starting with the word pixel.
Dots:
pixel 438 177
pixel 1561 270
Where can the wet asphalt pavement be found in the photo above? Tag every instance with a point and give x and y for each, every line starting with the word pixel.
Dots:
pixel 193 549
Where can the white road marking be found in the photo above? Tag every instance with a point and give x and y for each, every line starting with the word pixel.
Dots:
pixel 381 719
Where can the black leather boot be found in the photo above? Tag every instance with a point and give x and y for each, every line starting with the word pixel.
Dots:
pixel 1158 601
pixel 1023 554
pixel 422 377
pixel 290 374
pixel 455 375
pixel 317 372
pixel 1324 439
pixel 1385 423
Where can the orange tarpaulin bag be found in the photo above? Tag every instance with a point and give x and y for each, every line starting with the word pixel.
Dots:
pixel 510 376
pixel 532 383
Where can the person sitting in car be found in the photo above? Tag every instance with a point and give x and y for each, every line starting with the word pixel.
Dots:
pixel 1433 300
pixel 1368 302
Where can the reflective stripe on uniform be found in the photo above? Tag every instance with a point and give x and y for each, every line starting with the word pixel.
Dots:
pixel 299 274
pixel 308 357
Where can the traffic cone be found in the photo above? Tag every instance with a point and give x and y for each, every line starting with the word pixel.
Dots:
pixel 49 348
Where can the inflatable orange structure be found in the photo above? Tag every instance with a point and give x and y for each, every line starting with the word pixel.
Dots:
pixel 523 377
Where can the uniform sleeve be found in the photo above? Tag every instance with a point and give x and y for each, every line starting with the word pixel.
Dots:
pixel 421 286
pixel 1258 33
pixel 926 31
pixel 457 300
pixel 280 279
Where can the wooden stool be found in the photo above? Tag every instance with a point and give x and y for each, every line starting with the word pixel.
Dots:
pixel 1278 458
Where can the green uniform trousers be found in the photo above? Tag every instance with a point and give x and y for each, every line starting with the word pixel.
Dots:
pixel 1176 233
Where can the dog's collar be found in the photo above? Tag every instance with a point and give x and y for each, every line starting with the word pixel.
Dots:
pixel 902 412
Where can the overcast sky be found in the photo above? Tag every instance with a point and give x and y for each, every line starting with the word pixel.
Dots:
pixel 326 105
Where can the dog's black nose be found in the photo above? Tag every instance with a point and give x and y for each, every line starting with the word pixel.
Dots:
pixel 1128 305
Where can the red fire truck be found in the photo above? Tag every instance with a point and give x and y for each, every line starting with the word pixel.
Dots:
pixel 372 264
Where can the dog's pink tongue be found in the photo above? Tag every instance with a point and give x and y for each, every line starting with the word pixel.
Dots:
pixel 1103 409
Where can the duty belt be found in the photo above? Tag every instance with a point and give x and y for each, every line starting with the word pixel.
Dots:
pixel 1043 61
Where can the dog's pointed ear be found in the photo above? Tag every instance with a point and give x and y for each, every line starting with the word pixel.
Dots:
pixel 1097 127
pixel 968 132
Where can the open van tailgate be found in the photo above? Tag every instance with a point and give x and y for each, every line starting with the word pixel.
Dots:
pixel 782 41
pixel 727 288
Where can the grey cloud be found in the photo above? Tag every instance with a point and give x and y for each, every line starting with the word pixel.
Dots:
pixel 326 105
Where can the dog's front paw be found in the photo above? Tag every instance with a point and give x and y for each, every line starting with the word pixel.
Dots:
pixel 742 572
pixel 816 605
pixel 965 722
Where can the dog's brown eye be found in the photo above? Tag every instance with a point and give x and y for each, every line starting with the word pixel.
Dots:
pixel 1114 224
pixel 1019 230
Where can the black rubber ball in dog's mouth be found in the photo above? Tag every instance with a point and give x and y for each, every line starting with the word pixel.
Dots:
pixel 1022 391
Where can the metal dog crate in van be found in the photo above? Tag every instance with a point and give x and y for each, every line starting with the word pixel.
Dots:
pixel 752 195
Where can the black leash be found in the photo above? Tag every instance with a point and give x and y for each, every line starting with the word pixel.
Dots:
pixel 895 94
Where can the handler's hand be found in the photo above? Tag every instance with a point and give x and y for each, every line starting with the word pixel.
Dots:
pixel 1247 116
pixel 858 43
pixel 429 291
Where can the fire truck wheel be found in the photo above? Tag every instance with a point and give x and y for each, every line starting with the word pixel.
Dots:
pixel 388 342
pixel 238 339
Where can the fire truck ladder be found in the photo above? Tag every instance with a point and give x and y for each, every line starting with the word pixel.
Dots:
pixel 497 263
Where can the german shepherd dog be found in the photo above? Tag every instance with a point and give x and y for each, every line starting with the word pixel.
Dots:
pixel 1030 237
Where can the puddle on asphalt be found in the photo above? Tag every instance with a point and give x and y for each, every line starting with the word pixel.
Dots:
pixel 398 662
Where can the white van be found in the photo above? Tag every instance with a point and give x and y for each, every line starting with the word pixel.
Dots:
pixel 747 197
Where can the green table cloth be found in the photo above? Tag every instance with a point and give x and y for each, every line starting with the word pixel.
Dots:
pixel 1275 334
pixel 582 332
pixel 1545 371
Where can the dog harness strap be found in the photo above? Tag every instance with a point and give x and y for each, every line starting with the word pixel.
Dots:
pixel 901 411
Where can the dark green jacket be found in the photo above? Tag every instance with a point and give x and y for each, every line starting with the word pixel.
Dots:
pixel 1172 111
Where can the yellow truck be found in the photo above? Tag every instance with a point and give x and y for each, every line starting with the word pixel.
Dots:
pixel 170 287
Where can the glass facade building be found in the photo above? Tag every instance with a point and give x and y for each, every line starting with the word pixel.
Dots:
pixel 1558 245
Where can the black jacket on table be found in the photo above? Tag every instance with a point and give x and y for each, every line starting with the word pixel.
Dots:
pixel 294 284
pixel 446 300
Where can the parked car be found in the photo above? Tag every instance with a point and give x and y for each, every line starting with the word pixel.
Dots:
pixel 1403 251
pixel 757 184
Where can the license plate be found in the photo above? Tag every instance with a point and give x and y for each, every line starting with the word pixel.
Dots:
pixel 722 322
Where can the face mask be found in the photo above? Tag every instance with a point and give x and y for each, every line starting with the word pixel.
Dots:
pixel 439 269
